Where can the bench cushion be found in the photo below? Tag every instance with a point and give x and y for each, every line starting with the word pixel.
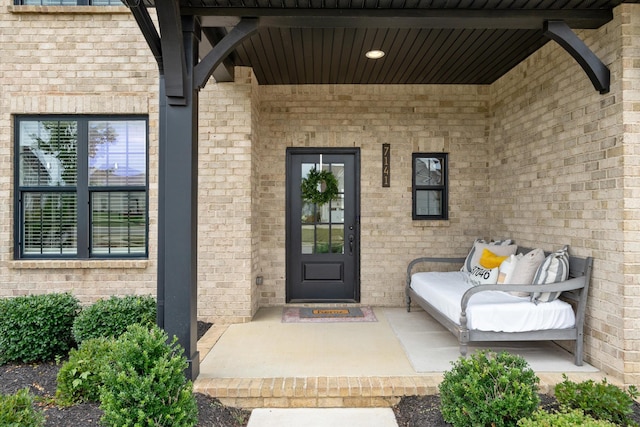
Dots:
pixel 492 310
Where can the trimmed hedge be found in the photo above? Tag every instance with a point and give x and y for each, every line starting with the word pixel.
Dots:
pixel 36 328
pixel 574 418
pixel 145 384
pixel 488 389
pixel 110 318
pixel 17 410
pixel 80 377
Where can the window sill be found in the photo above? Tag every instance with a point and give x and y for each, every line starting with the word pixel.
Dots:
pixel 67 9
pixel 431 223
pixel 31 264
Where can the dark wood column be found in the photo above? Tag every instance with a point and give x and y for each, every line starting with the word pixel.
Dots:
pixel 178 206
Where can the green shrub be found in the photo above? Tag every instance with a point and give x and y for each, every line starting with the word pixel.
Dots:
pixel 80 377
pixel 111 317
pixel 573 418
pixel 603 401
pixel 17 410
pixel 488 389
pixel 36 328
pixel 146 385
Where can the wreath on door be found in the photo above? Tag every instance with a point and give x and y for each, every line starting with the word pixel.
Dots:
pixel 319 187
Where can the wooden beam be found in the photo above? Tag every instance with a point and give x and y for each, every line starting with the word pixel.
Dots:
pixel 148 29
pixel 402 18
pixel 225 71
pixel 592 65
pixel 203 71
pixel 175 68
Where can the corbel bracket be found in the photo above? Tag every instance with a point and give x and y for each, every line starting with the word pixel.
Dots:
pixel 598 73
pixel 148 29
pixel 203 71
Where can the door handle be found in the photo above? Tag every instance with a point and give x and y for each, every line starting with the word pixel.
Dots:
pixel 351 239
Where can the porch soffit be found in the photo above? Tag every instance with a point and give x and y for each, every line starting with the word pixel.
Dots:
pixel 425 42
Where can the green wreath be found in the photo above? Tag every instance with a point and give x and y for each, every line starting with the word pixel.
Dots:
pixel 328 187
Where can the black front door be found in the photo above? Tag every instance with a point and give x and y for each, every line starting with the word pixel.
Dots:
pixel 323 250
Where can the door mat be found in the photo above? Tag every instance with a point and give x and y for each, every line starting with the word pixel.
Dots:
pixel 327 315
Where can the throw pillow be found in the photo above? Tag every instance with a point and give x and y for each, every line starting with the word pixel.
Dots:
pixel 526 269
pixel 484 276
pixel 490 260
pixel 555 268
pixel 501 247
pixel 507 268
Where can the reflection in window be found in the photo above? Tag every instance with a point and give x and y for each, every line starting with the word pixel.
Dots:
pixel 430 186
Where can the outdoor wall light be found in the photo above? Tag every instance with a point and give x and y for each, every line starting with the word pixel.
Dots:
pixel 259 280
pixel 374 54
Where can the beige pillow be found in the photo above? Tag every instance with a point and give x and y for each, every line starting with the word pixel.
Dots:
pixel 526 267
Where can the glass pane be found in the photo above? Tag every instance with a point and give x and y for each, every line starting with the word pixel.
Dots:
pixel 117 153
pixel 48 153
pixel 118 223
pixel 337 239
pixel 428 171
pixel 323 213
pixel 308 212
pixel 322 239
pixel 428 202
pixel 49 225
pixel 337 210
pixel 338 172
pixel 308 238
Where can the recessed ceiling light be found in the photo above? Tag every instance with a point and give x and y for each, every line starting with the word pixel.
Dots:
pixel 374 54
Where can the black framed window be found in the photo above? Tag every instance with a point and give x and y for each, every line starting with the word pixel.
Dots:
pixel 68 2
pixel 430 186
pixel 81 187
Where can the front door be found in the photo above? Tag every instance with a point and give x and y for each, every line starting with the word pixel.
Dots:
pixel 323 251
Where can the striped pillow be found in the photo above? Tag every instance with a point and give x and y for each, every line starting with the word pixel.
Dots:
pixel 555 268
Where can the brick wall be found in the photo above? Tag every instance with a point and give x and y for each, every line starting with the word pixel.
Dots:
pixel 227 241
pixel 452 119
pixel 630 100
pixel 87 60
pixel 559 175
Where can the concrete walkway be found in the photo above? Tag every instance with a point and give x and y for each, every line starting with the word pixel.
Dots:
pixel 310 417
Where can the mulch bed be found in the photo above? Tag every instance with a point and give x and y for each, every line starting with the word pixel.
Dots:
pixel 41 378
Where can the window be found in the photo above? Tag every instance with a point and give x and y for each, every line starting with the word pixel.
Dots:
pixel 81 187
pixel 68 2
pixel 430 198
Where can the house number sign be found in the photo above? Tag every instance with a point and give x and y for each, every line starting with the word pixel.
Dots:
pixel 386 165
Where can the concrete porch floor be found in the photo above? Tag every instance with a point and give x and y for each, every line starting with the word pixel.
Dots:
pixel 270 364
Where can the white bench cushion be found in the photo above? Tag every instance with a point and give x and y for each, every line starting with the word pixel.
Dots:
pixel 491 310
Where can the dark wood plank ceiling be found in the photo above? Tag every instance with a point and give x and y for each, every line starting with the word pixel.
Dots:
pixel 329 44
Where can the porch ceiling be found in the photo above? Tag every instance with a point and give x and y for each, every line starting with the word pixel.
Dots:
pixel 425 42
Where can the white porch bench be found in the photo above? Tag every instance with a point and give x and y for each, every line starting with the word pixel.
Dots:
pixel 485 313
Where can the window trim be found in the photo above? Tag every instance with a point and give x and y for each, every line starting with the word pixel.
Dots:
pixel 82 189
pixel 443 187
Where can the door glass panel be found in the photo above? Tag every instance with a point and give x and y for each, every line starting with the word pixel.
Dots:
pixel 308 238
pixel 338 172
pixel 323 226
pixel 337 238
pixel 308 213
pixel 323 238
pixel 337 210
